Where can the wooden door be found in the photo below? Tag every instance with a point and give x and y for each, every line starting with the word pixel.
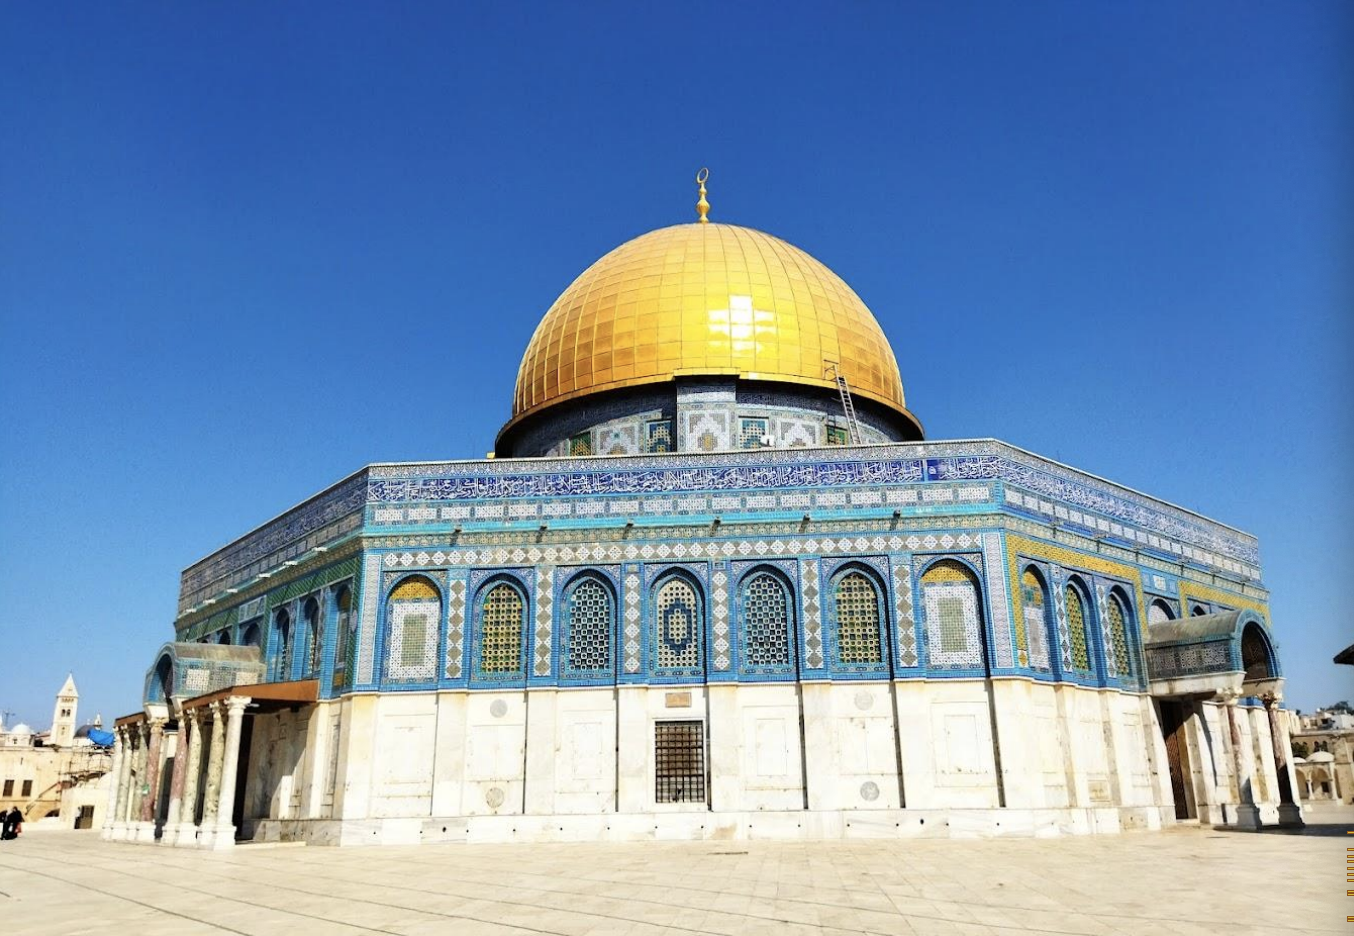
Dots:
pixel 1177 756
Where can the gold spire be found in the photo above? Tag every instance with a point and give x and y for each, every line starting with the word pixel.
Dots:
pixel 703 206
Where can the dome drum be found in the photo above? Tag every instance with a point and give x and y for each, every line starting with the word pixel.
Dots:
pixel 704 413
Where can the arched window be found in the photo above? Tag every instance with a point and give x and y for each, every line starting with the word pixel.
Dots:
pixel 590 618
pixel 251 635
pixel 345 644
pixel 1034 597
pixel 1076 629
pixel 502 614
pixel 1159 612
pixel 282 635
pixel 858 619
pixel 1198 611
pixel 953 616
pixel 310 613
pixel 413 615
pixel 766 621
pixel 678 624
pixel 1117 612
pixel 223 637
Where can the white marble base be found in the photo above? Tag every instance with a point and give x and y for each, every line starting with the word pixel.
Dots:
pixel 216 837
pixel 720 826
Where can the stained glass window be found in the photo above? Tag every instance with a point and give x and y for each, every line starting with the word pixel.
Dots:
pixel 679 625
pixel 282 630
pixel 590 622
pixel 750 433
pixel 766 621
pixel 837 435
pixel 581 444
pixel 1118 621
pixel 501 618
pixel 1036 618
pixel 1076 629
pixel 659 436
pixel 858 638
pixel 311 613
pixel 343 606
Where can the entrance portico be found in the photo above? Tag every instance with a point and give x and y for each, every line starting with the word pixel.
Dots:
pixel 1225 661
pixel 161 762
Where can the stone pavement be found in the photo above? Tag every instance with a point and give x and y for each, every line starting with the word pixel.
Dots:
pixel 1183 882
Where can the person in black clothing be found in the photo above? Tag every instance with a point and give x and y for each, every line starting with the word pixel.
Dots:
pixel 13 821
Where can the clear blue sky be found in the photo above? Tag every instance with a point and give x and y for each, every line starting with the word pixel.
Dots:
pixel 246 249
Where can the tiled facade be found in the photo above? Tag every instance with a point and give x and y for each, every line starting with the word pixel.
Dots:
pixel 700 598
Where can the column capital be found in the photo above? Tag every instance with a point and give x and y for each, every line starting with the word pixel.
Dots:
pixel 235 705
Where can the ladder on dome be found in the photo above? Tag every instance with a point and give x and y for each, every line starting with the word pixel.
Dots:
pixel 844 390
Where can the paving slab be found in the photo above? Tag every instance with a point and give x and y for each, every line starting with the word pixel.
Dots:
pixel 1188 881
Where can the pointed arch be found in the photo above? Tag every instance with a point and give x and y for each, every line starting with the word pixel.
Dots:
pixel 1123 645
pixel 162 682
pixel 766 620
pixel 1077 603
pixel 345 639
pixel 952 607
pixel 678 625
pixel 282 645
pixel 1037 610
pixel 1257 652
pixel 858 616
pixel 310 614
pixel 501 616
pixel 412 623
pixel 1159 612
pixel 589 609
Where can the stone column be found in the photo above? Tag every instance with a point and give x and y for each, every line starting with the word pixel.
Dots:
pixel 139 736
pixel 211 798
pixel 173 813
pixel 110 815
pixel 1247 813
pixel 192 776
pixel 150 798
pixel 225 834
pixel 1290 814
pixel 150 802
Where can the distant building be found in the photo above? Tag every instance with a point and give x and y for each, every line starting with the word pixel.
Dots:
pixel 60 775
pixel 1324 745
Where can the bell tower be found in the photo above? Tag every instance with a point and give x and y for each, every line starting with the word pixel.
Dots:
pixel 63 715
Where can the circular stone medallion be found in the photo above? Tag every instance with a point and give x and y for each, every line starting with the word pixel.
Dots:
pixel 869 791
pixel 498 708
pixel 494 797
pixel 864 700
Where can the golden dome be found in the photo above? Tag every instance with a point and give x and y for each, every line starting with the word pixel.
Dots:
pixel 705 299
